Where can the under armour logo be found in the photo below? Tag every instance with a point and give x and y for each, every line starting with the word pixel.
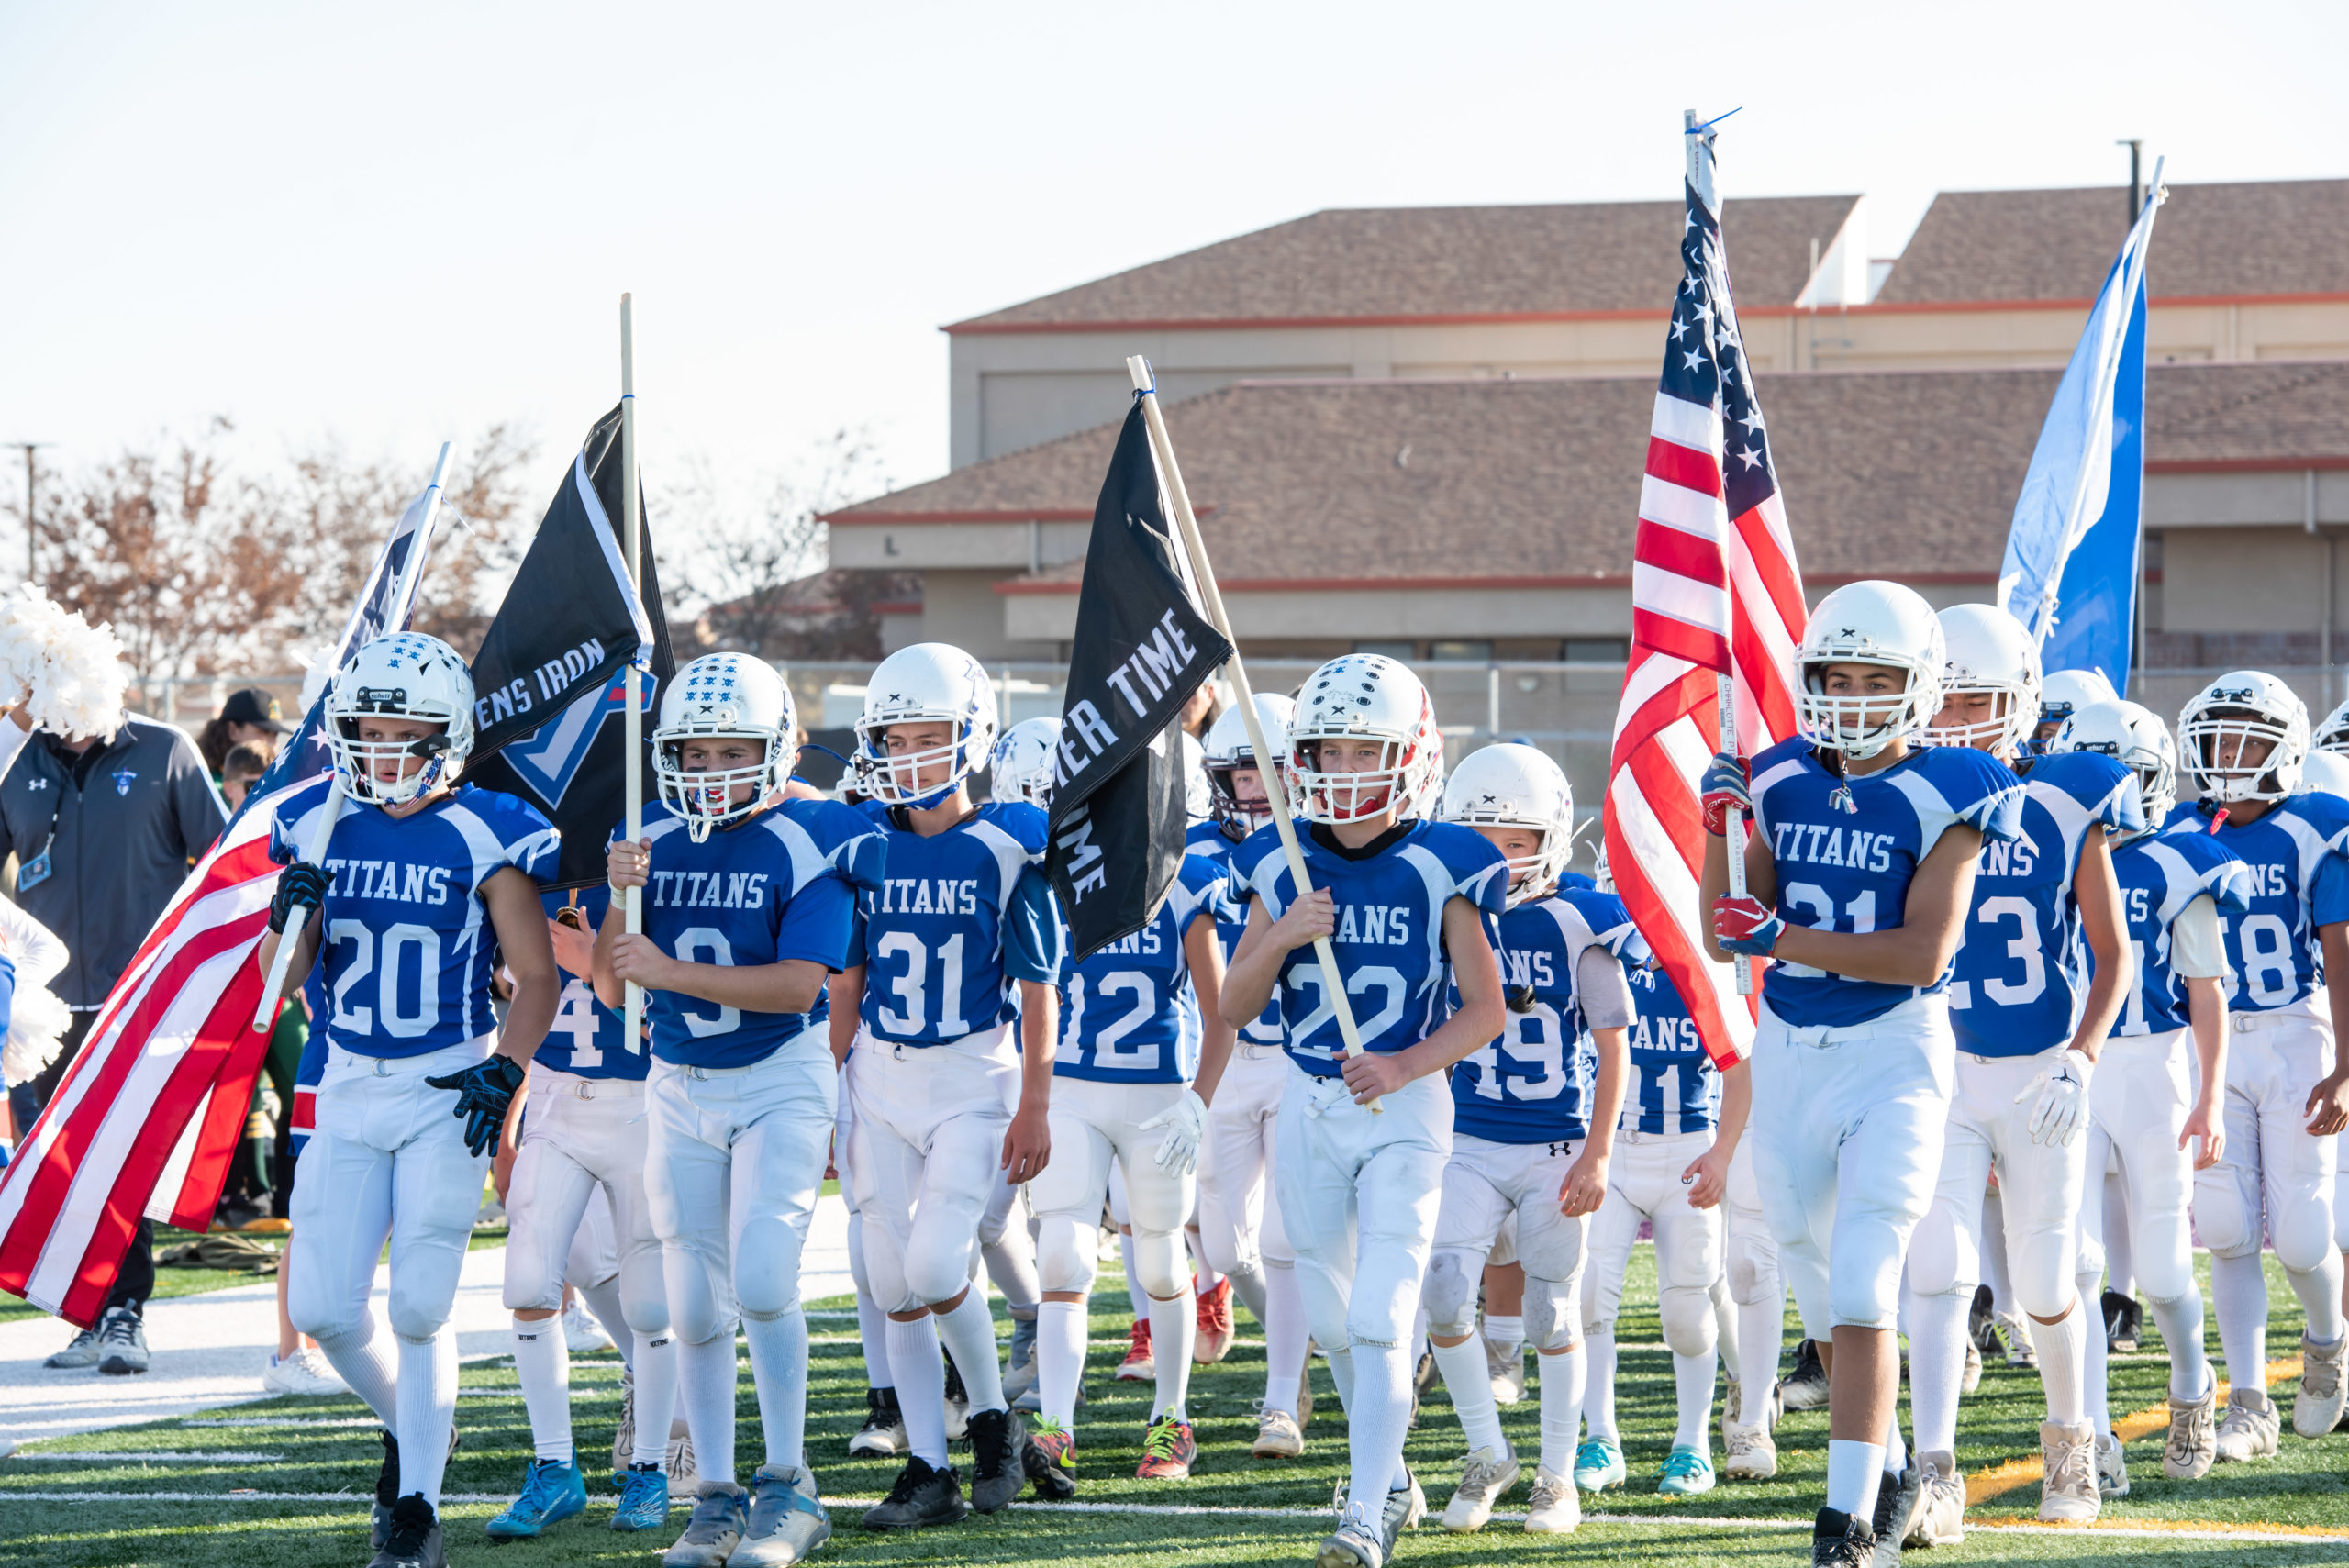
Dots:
pixel 37 783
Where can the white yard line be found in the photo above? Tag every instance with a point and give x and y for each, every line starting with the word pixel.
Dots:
pixel 157 1457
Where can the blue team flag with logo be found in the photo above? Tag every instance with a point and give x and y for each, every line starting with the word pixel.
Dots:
pixel 2071 566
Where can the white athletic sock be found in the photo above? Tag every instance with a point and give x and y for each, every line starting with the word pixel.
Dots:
pixel 1060 1358
pixel 1896 1452
pixel 1173 1334
pixel 1563 1375
pixel 968 1334
pixel 1692 1385
pixel 1286 1336
pixel 1248 1285
pixel 1936 1367
pixel 2239 1297
pixel 1761 1335
pixel 1376 1424
pixel 779 1373
pixel 1418 1341
pixel 1134 1292
pixel 1855 1471
pixel 1599 1391
pixel 1204 1277
pixel 428 1407
pixel 1504 1334
pixel 604 1301
pixel 364 1360
pixel 2180 1322
pixel 656 1394
pixel 2319 1292
pixel 1725 1327
pixel 542 1366
pixel 2063 1348
pixel 1470 1383
pixel 920 1366
pixel 2119 1245
pixel 1011 1264
pixel 705 1394
pixel 1994 1253
pixel 2095 1370
pixel 1341 1372
pixel 873 1327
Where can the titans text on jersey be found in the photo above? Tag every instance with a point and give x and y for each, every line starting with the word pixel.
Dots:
pixel 1128 1014
pixel 2299 880
pixel 1846 849
pixel 2160 875
pixel 959 917
pixel 2020 974
pixel 1398 890
pixel 1533 1083
pixel 405 938
pixel 1674 1088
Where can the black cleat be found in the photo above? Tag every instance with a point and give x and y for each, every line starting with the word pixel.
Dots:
pixel 958 1403
pixel 387 1488
pixel 999 1444
pixel 1805 1388
pixel 1839 1540
pixel 1979 1319
pixel 414 1540
pixel 883 1436
pixel 2123 1322
pixel 921 1497
pixel 1895 1509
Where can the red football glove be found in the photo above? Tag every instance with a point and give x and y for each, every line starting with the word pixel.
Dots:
pixel 1743 925
pixel 1727 786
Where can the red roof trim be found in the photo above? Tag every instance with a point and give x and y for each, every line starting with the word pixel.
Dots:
pixel 898 607
pixel 1363 585
pixel 999 514
pixel 2244 465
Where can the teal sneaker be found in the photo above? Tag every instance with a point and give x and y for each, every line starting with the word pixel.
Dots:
pixel 1686 1472
pixel 644 1498
pixel 1599 1464
pixel 552 1490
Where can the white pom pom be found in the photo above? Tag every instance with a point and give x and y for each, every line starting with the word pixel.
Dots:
pixel 69 673
pixel 37 1022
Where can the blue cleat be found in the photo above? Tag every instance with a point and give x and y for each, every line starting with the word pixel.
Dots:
pixel 644 1498
pixel 1599 1464
pixel 1686 1472
pixel 552 1491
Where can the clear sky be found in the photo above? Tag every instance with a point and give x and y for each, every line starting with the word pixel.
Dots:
pixel 388 224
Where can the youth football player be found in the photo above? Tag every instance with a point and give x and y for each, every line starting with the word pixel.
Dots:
pixel 2241 740
pixel 424 882
pixel 1861 871
pixel 960 949
pixel 1532 1126
pixel 749 899
pixel 1399 899
pixel 2153 1100
pixel 2029 1024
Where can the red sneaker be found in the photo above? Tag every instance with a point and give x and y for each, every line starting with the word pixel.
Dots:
pixel 1167 1450
pixel 1140 1365
pixel 1214 1339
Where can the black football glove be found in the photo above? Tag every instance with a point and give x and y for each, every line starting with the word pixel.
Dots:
pixel 299 886
pixel 485 1090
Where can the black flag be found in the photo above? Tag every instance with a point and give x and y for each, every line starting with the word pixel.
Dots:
pixel 550 682
pixel 1143 646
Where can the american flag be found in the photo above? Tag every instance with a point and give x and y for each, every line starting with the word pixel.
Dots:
pixel 1715 591
pixel 148 1117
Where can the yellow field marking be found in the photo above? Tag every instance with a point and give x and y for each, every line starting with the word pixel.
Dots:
pixel 2028 1470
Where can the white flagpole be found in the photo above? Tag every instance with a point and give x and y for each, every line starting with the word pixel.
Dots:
pixel 1698 146
pixel 633 1019
pixel 1267 765
pixel 315 853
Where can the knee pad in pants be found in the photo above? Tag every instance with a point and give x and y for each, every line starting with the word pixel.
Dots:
pixel 1451 1297
pixel 1752 1268
pixel 1550 1313
pixel 2224 1216
pixel 1689 1326
pixel 1065 1254
pixel 1158 1263
pixel 1944 1256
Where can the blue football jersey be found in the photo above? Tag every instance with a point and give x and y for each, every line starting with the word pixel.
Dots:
pixel 2160 874
pixel 1673 1086
pixel 2299 881
pixel 2021 970
pixel 406 941
pixel 1128 1014
pixel 587 1039
pixel 959 917
pixel 761 891
pixel 1206 840
pixel 1847 848
pixel 1533 1083
pixel 1389 940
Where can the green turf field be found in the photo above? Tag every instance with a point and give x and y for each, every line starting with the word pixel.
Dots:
pixel 1285 1504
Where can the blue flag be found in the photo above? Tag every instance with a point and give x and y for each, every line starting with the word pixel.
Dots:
pixel 2071 566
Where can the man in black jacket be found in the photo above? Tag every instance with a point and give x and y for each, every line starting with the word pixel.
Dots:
pixel 104 831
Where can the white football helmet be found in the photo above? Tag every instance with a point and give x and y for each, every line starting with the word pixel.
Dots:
pixel 724 696
pixel 1198 804
pixel 2062 692
pixel 2325 773
pixel 2332 735
pixel 410 676
pixel 2138 739
pixel 2232 712
pixel 1228 751
pixel 1987 650
pixel 929 683
pixel 1508 786
pixel 1868 623
pixel 1020 767
pixel 1363 697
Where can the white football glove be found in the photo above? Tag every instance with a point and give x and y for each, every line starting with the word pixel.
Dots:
pixel 2063 1104
pixel 1185 1122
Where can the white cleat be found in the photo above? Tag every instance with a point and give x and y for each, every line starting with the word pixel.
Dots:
pixel 2111 1469
pixel 2316 1409
pixel 2249 1429
pixel 2067 1453
pixel 1277 1436
pixel 1484 1480
pixel 1556 1504
pixel 1507 1368
pixel 1940 1519
pixel 582 1335
pixel 306 1372
pixel 1971 1379
pixel 2016 1333
pixel 1753 1454
pixel 2193 1445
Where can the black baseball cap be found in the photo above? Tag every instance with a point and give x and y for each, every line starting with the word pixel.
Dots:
pixel 255 705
